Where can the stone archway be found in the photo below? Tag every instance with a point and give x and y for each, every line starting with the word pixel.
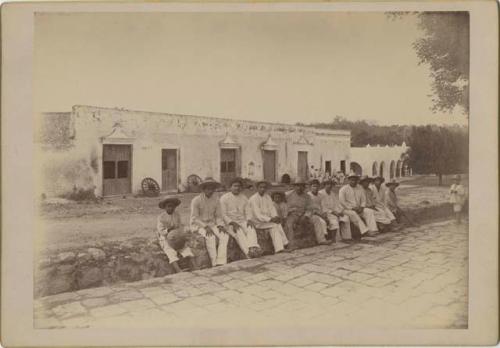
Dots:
pixel 356 168
pixel 381 171
pixel 392 169
pixel 375 169
pixel 398 169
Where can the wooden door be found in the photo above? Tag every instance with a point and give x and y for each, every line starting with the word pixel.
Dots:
pixel 302 166
pixel 328 167
pixel 270 166
pixel 116 169
pixel 227 166
pixel 169 170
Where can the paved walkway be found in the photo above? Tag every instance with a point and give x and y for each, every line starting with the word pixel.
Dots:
pixel 416 278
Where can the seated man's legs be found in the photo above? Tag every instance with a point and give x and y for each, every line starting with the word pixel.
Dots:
pixel 333 225
pixel 356 220
pixel 276 232
pixel 345 227
pixel 218 256
pixel 319 228
pixel 369 217
pixel 291 220
pixel 333 221
pixel 168 250
pixel 241 239
pixel 381 216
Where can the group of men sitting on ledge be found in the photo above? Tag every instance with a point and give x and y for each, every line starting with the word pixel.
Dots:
pixel 370 206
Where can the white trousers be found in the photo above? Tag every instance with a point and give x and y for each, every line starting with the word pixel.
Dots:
pixel 245 236
pixel 320 230
pixel 343 222
pixel 384 216
pixel 369 223
pixel 218 255
pixel 171 252
pixel 277 234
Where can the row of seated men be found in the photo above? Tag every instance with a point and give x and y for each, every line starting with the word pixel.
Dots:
pixel 363 202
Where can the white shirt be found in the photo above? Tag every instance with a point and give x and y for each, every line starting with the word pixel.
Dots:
pixel 330 203
pixel 351 198
pixel 315 202
pixel 459 196
pixel 379 196
pixel 235 208
pixel 262 208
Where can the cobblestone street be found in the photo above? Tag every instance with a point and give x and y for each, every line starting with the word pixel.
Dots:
pixel 415 278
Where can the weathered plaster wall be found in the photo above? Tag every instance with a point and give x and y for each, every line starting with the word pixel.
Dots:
pixel 368 155
pixel 197 140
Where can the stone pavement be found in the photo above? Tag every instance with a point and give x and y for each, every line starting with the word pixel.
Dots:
pixel 415 278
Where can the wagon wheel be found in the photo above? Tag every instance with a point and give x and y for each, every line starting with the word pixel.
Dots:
pixel 150 187
pixel 193 182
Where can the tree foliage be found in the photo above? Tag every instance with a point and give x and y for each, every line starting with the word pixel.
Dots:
pixel 444 47
pixel 438 150
pixel 364 132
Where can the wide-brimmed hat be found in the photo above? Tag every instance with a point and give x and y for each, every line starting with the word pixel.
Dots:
pixel 365 178
pixel 237 180
pixel 267 183
pixel 353 175
pixel 209 181
pixel 329 181
pixel 175 201
pixel 299 182
pixel 381 178
pixel 393 182
pixel 457 177
pixel 279 193
pixel 314 181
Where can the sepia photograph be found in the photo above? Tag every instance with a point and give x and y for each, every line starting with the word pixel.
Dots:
pixel 273 169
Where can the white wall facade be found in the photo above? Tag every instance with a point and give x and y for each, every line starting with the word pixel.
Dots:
pixel 370 158
pixel 197 139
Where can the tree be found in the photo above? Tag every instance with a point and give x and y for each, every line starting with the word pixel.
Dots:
pixel 444 47
pixel 438 150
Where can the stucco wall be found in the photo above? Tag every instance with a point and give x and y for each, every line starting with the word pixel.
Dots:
pixel 197 140
pixel 368 155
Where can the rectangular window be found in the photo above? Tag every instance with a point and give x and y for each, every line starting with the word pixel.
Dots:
pixel 122 169
pixel 342 166
pixel 328 167
pixel 231 167
pixel 108 168
pixel 223 167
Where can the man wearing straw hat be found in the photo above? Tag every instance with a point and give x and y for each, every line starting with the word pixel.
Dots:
pixel 318 218
pixel 265 216
pixel 300 213
pixel 171 234
pixel 237 216
pixel 352 198
pixel 390 198
pixel 379 198
pixel 334 212
pixel 381 217
pixel 206 219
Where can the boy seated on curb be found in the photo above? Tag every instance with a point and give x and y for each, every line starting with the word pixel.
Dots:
pixel 171 234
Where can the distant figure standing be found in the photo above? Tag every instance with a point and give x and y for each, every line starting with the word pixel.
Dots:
pixel 457 197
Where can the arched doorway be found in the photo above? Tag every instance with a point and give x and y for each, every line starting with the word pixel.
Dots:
pixel 392 169
pixel 356 168
pixel 398 169
pixel 374 169
pixel 382 169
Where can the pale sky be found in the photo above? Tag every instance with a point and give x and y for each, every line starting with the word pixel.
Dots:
pixel 275 67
